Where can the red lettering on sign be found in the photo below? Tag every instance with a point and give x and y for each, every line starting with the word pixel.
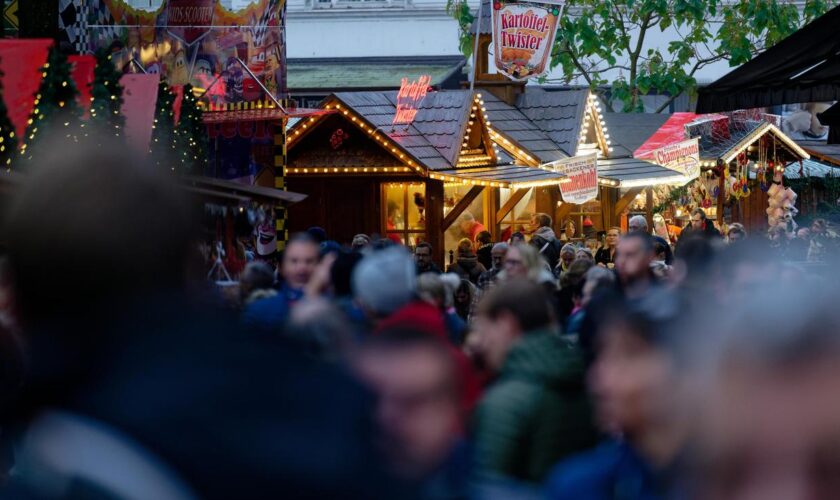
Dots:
pixel 409 97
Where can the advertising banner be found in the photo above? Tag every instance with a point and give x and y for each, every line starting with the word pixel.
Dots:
pixel 683 157
pixel 582 178
pixel 189 20
pixel 523 35
pixel 186 41
pixel 138 108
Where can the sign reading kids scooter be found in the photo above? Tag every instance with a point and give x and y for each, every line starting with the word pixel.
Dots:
pixel 523 34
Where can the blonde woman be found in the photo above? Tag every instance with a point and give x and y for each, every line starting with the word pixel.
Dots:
pixel 524 261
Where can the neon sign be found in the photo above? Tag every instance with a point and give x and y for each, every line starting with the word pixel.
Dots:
pixel 410 96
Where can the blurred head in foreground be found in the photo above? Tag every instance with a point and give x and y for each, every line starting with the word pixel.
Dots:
pixel 507 313
pixel 419 398
pixel 633 380
pixel 92 228
pixel 769 424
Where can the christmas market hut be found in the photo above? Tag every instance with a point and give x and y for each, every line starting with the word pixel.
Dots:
pixel 454 163
pixel 732 149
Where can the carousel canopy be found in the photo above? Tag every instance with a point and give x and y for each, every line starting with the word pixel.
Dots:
pixel 804 67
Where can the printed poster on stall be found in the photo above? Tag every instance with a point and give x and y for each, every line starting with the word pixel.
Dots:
pixel 581 184
pixel 683 157
pixel 523 35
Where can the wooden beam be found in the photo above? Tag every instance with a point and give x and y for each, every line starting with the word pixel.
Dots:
pixel 625 200
pixel 562 212
pixel 607 196
pixel 649 207
pixel 515 198
pixel 462 205
pixel 434 216
pixel 491 206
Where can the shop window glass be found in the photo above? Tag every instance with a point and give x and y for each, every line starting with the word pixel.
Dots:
pixel 520 217
pixel 469 223
pixel 404 212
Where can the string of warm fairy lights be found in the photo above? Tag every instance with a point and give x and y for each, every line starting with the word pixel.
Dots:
pixel 467 159
pixel 348 170
pixel 301 127
pixel 592 113
pixel 472 157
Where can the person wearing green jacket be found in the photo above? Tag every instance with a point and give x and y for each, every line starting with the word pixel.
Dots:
pixel 536 412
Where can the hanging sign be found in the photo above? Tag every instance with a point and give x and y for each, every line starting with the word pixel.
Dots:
pixel 409 97
pixel 523 35
pixel 189 20
pixel 683 157
pixel 581 184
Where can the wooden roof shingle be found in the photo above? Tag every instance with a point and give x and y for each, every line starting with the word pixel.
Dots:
pixel 434 137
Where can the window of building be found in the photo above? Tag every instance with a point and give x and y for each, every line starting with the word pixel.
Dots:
pixel 404 213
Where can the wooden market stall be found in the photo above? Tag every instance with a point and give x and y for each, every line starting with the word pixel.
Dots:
pixel 468 161
pixel 741 155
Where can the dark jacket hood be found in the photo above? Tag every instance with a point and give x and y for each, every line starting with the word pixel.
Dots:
pixel 545 357
pixel 467 261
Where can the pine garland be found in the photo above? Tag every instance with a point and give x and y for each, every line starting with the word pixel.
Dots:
pixel 162 147
pixel 8 140
pixel 192 135
pixel 106 103
pixel 673 196
pixel 55 109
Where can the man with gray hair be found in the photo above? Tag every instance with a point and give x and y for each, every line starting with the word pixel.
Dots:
pixel 384 281
pixel 488 278
pixel 638 224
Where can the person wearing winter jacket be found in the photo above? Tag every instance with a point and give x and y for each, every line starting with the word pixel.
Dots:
pixel 544 239
pixel 536 412
pixel 467 266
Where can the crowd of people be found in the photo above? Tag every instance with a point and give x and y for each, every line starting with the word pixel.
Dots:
pixel 531 368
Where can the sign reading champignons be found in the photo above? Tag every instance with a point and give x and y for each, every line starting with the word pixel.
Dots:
pixel 581 184
pixel 683 157
pixel 523 35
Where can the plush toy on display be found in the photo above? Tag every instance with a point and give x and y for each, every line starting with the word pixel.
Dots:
pixel 781 210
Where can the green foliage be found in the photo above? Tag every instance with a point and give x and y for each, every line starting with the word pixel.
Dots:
pixel 192 135
pixel 106 104
pixel 674 195
pixel 163 146
pixel 8 140
pixel 460 11
pixel 598 38
pixel 55 110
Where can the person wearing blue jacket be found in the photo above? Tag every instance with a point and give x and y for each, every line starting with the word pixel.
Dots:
pixel 633 382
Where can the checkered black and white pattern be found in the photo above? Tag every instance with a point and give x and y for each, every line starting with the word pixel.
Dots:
pixel 85 24
pixel 267 19
pixel 72 23
pixel 102 27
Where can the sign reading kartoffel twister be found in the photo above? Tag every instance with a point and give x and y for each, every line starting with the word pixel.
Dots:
pixel 409 97
pixel 523 34
pixel 683 157
pixel 582 178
